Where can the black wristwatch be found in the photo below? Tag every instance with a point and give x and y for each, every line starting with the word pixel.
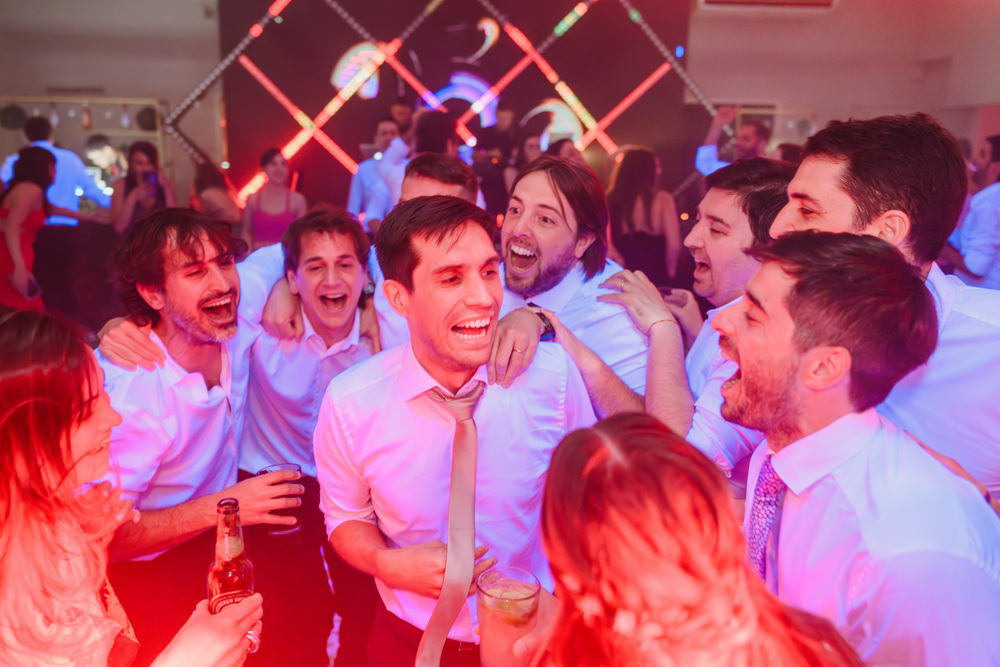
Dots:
pixel 548 331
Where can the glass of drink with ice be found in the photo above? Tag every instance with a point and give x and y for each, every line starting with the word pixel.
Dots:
pixel 507 599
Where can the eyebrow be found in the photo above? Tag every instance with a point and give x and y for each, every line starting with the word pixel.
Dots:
pixel 755 301
pixel 801 196
pixel 317 258
pixel 494 259
pixel 551 208
pixel 195 262
pixel 715 218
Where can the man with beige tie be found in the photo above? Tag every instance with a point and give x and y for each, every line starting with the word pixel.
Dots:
pixel 398 457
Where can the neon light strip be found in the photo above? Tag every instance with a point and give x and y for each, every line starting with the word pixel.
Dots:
pixel 331 108
pixel 504 81
pixel 561 87
pixel 277 7
pixel 570 19
pixel 300 116
pixel 624 104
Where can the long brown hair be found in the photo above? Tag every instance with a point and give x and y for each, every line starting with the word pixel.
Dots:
pixel 53 539
pixel 649 560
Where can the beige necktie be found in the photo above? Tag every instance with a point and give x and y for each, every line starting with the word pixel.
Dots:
pixel 461 525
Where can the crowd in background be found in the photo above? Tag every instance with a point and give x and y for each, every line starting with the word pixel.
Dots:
pixel 764 436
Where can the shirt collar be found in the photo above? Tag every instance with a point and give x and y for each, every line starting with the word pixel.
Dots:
pixel 944 289
pixel 556 298
pixel 43 144
pixel 806 461
pixel 345 343
pixel 179 376
pixel 415 380
pixel 711 313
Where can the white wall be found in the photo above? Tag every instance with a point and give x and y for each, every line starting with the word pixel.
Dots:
pixel 861 58
pixel 129 48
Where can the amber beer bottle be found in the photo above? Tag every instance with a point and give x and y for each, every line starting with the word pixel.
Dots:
pixel 230 579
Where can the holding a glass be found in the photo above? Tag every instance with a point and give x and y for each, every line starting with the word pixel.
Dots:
pixel 507 599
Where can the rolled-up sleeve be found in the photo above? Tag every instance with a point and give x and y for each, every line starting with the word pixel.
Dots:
pixel 344 493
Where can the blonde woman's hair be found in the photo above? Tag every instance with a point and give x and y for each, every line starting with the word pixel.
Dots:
pixel 649 560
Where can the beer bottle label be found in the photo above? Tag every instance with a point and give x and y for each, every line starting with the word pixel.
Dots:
pixel 217 603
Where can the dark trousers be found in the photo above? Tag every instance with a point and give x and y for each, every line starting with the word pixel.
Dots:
pixel 92 286
pixel 394 643
pixel 289 573
pixel 55 247
pixel 159 595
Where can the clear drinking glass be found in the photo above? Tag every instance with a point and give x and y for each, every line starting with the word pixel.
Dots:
pixel 290 511
pixel 507 599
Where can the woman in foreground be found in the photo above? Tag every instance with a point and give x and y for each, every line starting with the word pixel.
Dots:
pixel 650 563
pixel 56 607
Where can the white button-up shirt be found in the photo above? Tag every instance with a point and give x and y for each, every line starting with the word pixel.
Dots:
pixel 953 402
pixel 876 535
pixel 978 239
pixel 369 193
pixel 287 381
pixel 178 439
pixel 70 175
pixel 383 453
pixel 603 327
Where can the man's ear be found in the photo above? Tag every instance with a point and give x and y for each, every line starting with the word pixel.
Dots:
pixel 893 227
pixel 826 367
pixel 153 296
pixel 582 243
pixel 397 295
pixel 293 284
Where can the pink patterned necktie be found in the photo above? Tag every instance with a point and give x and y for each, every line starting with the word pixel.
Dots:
pixel 764 513
pixel 461 558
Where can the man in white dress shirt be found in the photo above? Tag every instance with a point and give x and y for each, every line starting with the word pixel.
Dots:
pixel 324 254
pixel 903 179
pixel 735 214
pixel 175 452
pixel 384 449
pixel 554 246
pixel 750 140
pixel 850 517
pixel 369 198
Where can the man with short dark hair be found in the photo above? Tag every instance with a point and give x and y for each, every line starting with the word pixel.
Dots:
pixel 70 173
pixel 176 449
pixel 903 179
pixel 325 255
pixel 433 132
pixel 369 199
pixel 750 141
pixel 386 482
pixel 850 517
pixel 438 174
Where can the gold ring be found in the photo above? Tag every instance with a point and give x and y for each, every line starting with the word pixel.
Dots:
pixel 517 350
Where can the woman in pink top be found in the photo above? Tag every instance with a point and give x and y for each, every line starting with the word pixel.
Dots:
pixel 271 209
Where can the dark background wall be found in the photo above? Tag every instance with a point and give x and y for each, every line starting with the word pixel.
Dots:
pixel 603 57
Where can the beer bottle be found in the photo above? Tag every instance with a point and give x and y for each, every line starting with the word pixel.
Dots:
pixel 230 579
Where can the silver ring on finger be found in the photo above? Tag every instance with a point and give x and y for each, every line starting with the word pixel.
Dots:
pixel 254 637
